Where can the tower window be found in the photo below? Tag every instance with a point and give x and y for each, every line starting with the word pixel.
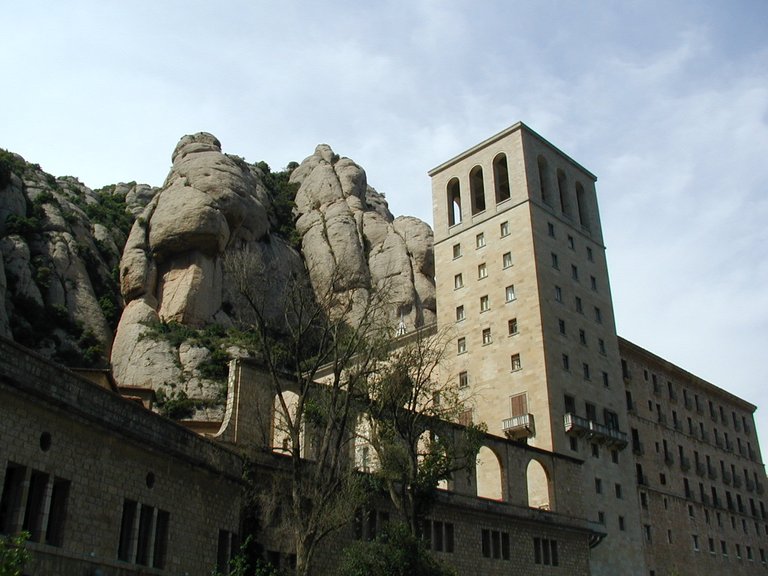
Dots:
pixel 463 379
pixel 504 228
pixel 487 336
pixel 482 271
pixel 480 240
pixel 510 293
pixel 477 190
pixel 501 177
pixel 515 360
pixel 458 281
pixel 456 251
pixel 485 303
pixel 460 313
pixel 512 326
pixel 461 345
pixel 506 260
pixel 454 202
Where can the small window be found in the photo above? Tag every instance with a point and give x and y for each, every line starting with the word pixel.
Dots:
pixel 458 281
pixel 482 271
pixel 695 542
pixel 601 346
pixel 579 306
pixel 485 304
pixel 558 294
pixel 585 370
pixel 555 261
pixel 461 345
pixel 598 315
pixel 606 382
pixel 456 251
pixel 598 486
pixel 463 379
pixel 570 242
pixel 460 313
pixel 618 491
pixel 551 229
pixel 515 360
pixel 506 260
pixel 566 362
pixel 510 293
pixel 593 283
pixel 561 326
pixel 590 255
pixel 621 523
pixel 487 336
pixel 504 228
pixel 575 272
pixel 480 240
pixel 512 326
pixel 582 337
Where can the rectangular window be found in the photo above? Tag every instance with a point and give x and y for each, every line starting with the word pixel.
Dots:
pixel 460 313
pixel 593 283
pixel 57 513
pixel 161 540
pixel 606 383
pixel 461 345
pixel 566 362
pixel 127 523
pixel 480 240
pixel 575 272
pixel 569 403
pixel 598 315
pixel 437 536
pixel 617 489
pixel 485 304
pixel 558 294
pixel 582 337
pixel 463 379
pixel 504 228
pixel 585 370
pixel 551 229
pixel 516 365
pixel 146 520
pixel 33 515
pixel 555 262
pixel 561 326
pixel 458 281
pixel 482 271
pixel 601 348
pixel 621 523
pixel 571 243
pixel 509 292
pixel 545 552
pixel 222 552
pixel 449 533
pixel 10 502
pixel 487 336
pixel 590 255
pixel 512 326
pixel 486 543
pixel 456 251
pixel 598 486
pixel 506 259
pixel 505 545
pixel 579 306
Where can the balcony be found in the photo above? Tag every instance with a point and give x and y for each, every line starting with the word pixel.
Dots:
pixel 596 432
pixel 519 427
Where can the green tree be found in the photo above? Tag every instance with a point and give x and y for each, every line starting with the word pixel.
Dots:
pixel 13 554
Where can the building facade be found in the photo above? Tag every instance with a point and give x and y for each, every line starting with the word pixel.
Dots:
pixel 523 281
pixel 699 474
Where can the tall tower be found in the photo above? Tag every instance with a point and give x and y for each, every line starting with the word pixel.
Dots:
pixel 522 280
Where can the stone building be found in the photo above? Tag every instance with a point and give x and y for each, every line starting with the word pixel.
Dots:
pixel 700 479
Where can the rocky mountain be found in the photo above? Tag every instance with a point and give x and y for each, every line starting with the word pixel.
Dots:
pixel 74 261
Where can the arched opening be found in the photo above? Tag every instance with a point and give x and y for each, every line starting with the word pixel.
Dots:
pixel 538 486
pixel 581 203
pixel 501 177
pixel 454 201
pixel 562 188
pixel 544 185
pixel 477 190
pixel 489 475
pixel 283 421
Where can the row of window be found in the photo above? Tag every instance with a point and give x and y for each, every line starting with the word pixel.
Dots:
pixel 477 189
pixel 571 242
pixel 41 512
pixel 574 271
pixel 564 195
pixel 586 371
pixel 143 535
pixel 579 305
pixel 561 326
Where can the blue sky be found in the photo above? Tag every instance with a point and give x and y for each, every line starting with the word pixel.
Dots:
pixel 665 101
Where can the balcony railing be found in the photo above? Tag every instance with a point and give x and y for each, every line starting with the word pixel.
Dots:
pixel 598 432
pixel 518 427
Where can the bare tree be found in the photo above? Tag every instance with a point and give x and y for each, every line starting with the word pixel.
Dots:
pixel 414 424
pixel 338 334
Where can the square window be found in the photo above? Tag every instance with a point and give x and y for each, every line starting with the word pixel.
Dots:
pixel 512 326
pixel 579 306
pixel 461 345
pixel 506 260
pixel 561 326
pixel 590 255
pixel 457 251
pixel 515 360
pixel 460 313
pixel 458 281
pixel 482 271
pixel 480 240
pixel 558 294
pixel 551 229
pixel 504 228
pixel 485 304
pixel 570 242
pixel 487 336
pixel 555 261
pixel 510 293
pixel 463 379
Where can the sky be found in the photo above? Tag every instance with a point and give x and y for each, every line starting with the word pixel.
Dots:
pixel 665 101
